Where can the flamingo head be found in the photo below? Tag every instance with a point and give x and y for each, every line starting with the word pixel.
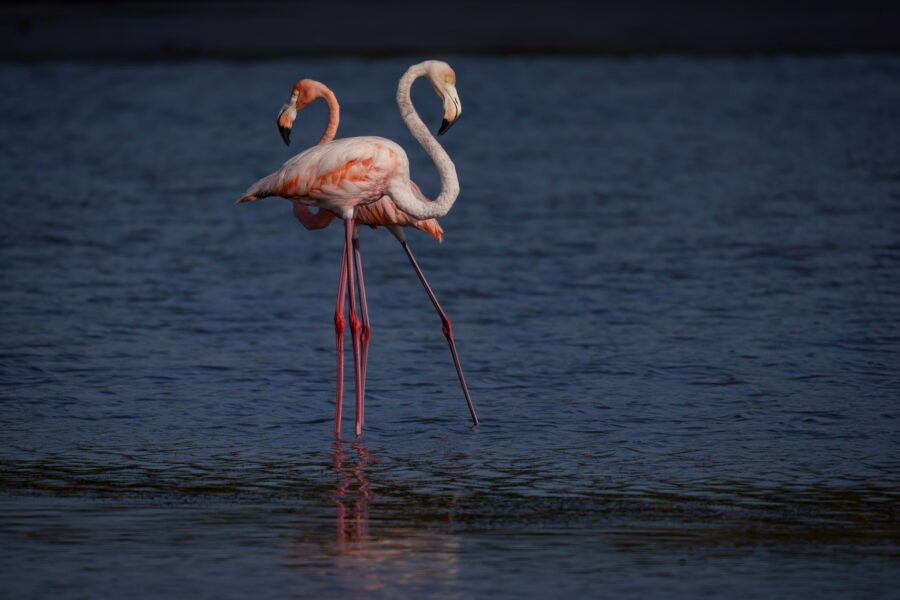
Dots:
pixel 443 81
pixel 304 93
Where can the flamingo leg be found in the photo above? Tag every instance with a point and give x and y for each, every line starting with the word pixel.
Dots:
pixel 354 320
pixel 340 324
pixel 447 329
pixel 364 314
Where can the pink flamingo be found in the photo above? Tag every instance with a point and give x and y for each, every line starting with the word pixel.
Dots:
pixel 366 179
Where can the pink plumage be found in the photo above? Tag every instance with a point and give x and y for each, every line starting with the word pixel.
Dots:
pixel 339 175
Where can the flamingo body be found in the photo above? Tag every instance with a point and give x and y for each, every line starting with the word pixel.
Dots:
pixel 338 176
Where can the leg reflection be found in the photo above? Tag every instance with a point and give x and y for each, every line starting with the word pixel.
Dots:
pixel 396 557
pixel 352 495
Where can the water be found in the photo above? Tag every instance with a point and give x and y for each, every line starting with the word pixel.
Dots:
pixel 673 283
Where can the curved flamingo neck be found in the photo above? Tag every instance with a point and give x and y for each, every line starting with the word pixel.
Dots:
pixel 323 217
pixel 334 115
pixel 320 90
pixel 402 195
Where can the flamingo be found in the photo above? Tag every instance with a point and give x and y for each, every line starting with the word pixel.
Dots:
pixel 381 212
pixel 366 179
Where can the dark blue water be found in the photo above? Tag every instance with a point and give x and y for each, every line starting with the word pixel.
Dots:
pixel 673 282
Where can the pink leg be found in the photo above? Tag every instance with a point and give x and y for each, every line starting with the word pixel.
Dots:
pixel 364 314
pixel 447 328
pixel 339 326
pixel 354 320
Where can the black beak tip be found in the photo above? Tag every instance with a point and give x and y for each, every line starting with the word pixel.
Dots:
pixel 285 135
pixel 445 125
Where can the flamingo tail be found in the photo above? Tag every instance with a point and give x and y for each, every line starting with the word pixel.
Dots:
pixel 263 188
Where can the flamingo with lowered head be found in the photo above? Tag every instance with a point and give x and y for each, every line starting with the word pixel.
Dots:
pixel 366 179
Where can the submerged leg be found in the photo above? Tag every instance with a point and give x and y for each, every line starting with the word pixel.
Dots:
pixel 339 326
pixel 354 320
pixel 364 314
pixel 447 328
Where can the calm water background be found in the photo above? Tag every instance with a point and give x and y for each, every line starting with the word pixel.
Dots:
pixel 674 284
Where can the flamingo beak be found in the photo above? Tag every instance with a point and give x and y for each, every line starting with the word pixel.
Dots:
pixel 285 134
pixel 452 109
pixel 445 125
pixel 285 122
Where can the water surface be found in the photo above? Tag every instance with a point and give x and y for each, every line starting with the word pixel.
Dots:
pixel 673 284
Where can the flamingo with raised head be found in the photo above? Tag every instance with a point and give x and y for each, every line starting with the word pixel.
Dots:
pixel 367 179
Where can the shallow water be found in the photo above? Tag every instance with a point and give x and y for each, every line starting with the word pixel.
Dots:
pixel 673 283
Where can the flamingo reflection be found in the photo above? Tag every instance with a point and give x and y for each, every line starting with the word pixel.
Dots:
pixel 393 556
pixel 352 495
